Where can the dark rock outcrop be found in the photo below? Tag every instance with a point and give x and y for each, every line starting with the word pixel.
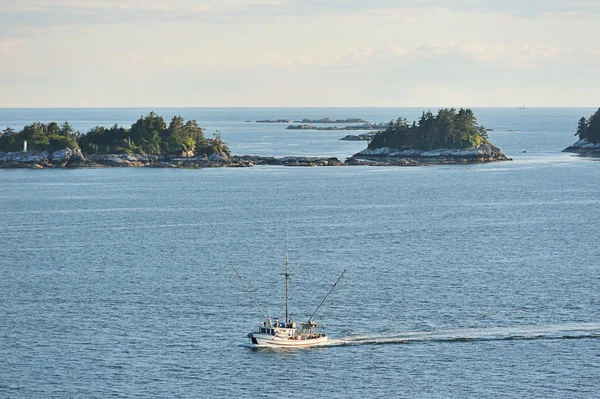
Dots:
pixel 359 137
pixel 288 161
pixel 43 159
pixel 584 148
pixel 389 156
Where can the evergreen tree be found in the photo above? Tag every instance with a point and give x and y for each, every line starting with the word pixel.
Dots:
pixel 582 128
pixel 448 129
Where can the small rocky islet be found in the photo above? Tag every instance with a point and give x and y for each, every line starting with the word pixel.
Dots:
pixel 364 126
pixel 588 132
pixel 311 120
pixel 451 137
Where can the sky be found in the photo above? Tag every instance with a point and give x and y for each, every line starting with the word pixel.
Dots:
pixel 299 53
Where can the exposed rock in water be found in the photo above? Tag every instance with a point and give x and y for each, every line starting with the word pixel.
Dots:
pixel 122 159
pixel 390 156
pixel 74 158
pixel 67 158
pixel 330 120
pixel 288 161
pixel 359 137
pixel 378 157
pixel 382 162
pixel 273 121
pixel 364 126
pixel 61 158
pixel 584 148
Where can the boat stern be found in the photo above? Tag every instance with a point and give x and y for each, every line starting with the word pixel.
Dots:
pixel 253 340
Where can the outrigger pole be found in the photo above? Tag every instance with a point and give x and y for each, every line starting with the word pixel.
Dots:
pixel 287 276
pixel 249 292
pixel 323 301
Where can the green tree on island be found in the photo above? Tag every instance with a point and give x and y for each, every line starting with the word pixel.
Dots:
pixel 448 129
pixel 589 129
pixel 150 134
pixel 39 137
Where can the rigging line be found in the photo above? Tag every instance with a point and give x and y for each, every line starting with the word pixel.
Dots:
pixel 323 301
pixel 276 265
pixel 249 292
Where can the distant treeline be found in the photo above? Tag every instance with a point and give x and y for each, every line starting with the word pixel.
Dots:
pixel 447 129
pixel 149 134
pixel 589 129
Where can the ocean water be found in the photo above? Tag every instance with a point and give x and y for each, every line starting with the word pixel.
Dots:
pixel 462 281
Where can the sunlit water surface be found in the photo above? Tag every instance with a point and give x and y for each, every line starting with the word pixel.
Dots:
pixel 462 281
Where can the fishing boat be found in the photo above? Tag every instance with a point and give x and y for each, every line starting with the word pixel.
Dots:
pixel 273 333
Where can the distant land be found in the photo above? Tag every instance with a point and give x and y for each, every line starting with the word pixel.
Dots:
pixel 310 120
pixel 330 120
pixel 274 121
pixel 588 131
pixel 450 137
pixel 364 126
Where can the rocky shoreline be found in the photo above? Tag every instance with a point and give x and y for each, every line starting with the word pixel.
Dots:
pixel 415 157
pixel 584 148
pixel 68 158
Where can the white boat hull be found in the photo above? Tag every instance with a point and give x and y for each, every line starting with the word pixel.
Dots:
pixel 270 341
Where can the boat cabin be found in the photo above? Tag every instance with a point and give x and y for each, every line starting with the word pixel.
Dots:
pixel 277 328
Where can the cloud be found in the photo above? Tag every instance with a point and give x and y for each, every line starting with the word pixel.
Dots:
pixel 90 7
pixel 521 8
pixel 7 46
pixel 522 55
pixel 525 55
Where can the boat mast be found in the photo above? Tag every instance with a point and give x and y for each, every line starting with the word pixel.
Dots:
pixel 287 276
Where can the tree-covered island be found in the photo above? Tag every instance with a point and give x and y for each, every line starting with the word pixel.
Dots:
pixel 149 141
pixel 150 135
pixel 451 136
pixel 588 131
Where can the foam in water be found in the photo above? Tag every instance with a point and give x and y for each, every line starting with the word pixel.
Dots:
pixel 549 331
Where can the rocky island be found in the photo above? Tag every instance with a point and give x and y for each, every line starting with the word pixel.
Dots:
pixel 450 137
pixel 588 131
pixel 330 120
pixel 310 120
pixel 274 121
pixel 364 126
pixel 149 142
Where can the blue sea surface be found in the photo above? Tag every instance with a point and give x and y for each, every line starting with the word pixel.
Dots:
pixel 462 281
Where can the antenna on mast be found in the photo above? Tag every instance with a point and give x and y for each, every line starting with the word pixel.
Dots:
pixel 249 292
